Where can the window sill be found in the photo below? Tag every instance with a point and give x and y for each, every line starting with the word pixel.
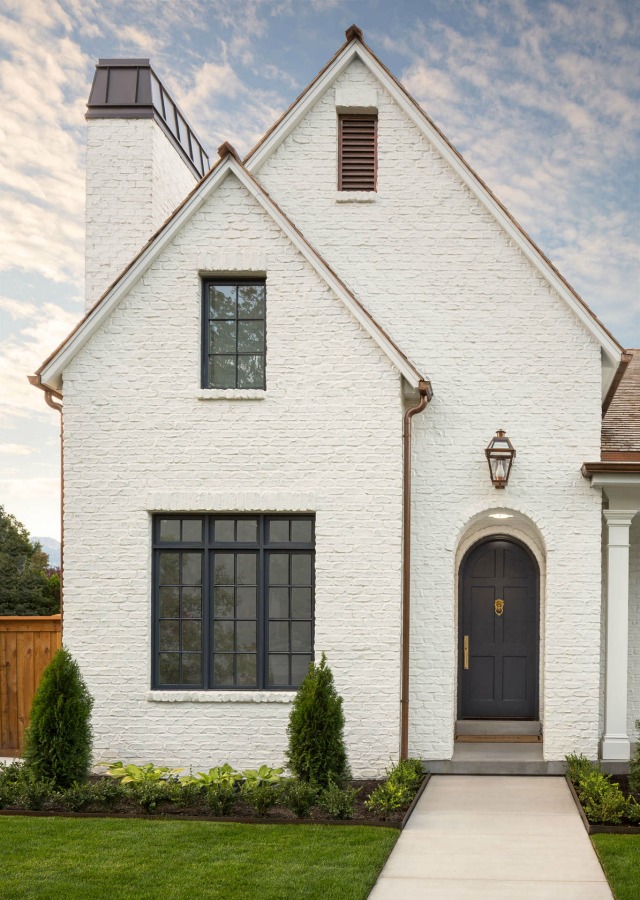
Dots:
pixel 356 196
pixel 232 394
pixel 220 696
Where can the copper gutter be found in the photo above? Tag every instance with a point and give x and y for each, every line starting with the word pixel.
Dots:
pixel 49 394
pixel 426 393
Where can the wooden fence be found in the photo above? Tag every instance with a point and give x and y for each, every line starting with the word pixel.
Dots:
pixel 27 644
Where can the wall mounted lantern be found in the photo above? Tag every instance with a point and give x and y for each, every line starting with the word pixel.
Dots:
pixel 500 456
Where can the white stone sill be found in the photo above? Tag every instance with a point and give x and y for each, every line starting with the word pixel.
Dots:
pixel 220 696
pixel 356 196
pixel 205 394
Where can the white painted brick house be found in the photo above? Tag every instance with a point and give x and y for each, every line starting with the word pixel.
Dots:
pixel 236 496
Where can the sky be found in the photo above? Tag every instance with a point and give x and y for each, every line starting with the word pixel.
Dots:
pixel 541 98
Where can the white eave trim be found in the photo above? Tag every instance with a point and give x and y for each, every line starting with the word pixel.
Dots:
pixel 357 50
pixel 51 374
pixel 612 479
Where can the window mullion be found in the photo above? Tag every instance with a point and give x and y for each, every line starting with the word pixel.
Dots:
pixel 262 608
pixel 207 610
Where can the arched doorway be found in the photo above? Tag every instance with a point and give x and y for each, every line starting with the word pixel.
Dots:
pixel 499 643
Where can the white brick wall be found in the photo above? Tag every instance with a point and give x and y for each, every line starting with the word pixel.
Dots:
pixel 502 350
pixel 135 178
pixel 327 436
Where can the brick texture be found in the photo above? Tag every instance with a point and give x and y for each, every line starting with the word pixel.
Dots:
pixel 327 436
pixel 502 350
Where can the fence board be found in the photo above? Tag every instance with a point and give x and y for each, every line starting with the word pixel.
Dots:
pixel 27 644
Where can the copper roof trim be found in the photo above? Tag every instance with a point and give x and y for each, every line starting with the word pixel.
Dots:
pixel 614 467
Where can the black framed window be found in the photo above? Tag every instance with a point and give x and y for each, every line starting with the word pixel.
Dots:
pixel 234 333
pixel 233 601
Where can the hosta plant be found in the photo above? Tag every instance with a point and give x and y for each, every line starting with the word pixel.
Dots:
pixel 218 775
pixel 263 775
pixel 147 773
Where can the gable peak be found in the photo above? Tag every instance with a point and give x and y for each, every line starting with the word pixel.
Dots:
pixel 228 149
pixel 353 33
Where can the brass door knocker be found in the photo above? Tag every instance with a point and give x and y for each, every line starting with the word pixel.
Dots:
pixel 499 607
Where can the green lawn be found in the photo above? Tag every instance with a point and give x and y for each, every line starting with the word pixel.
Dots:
pixel 620 857
pixel 87 858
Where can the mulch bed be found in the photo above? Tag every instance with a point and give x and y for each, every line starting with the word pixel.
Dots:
pixel 623 782
pixel 242 812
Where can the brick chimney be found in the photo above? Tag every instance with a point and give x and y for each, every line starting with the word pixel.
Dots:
pixel 143 158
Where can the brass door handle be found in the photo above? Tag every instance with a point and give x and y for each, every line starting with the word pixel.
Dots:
pixel 466 651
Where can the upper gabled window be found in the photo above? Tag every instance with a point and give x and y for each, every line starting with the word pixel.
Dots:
pixel 234 333
pixel 357 153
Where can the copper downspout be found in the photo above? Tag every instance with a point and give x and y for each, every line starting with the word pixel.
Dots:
pixel 424 388
pixel 48 397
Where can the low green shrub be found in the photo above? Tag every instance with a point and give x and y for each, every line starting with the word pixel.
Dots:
pixel 9 782
pixel 148 794
pixel 190 793
pixel 299 796
pixel 579 766
pixel 603 801
pixel 32 791
pixel 77 797
pixel 107 793
pixel 220 798
pixel 389 797
pixel 632 811
pixel 634 766
pixel 260 796
pixel 339 802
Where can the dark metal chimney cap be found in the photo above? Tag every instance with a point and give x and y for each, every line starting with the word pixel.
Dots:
pixel 130 89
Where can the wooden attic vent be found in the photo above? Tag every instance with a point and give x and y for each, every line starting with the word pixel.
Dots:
pixel 357 153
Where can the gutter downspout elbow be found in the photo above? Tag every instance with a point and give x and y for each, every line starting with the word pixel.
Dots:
pixel 426 393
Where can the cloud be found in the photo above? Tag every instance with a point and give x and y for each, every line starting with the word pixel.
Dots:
pixel 16 450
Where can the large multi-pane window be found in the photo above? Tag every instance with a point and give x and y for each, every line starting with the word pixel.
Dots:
pixel 233 601
pixel 234 338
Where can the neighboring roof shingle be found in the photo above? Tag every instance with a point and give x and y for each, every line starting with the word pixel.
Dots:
pixel 621 421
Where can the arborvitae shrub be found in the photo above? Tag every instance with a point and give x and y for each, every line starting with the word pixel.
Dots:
pixel 316 751
pixel 634 768
pixel 59 739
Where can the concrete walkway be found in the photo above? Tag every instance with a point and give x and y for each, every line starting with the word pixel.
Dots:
pixel 494 837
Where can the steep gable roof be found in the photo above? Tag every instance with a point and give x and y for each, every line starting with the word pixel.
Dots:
pixel 49 375
pixel 621 419
pixel 356 48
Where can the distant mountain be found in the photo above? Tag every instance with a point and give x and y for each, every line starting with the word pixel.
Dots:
pixel 50 546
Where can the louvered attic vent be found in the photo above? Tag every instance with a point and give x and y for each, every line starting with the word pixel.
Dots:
pixel 357 153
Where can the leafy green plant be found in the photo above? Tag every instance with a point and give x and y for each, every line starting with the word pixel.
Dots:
pixel 263 775
pixel 578 767
pixel 148 794
pixel 58 741
pixel 602 800
pixel 634 765
pixel 77 797
pixel 339 802
pixel 316 751
pixel 9 783
pixel 32 791
pixel 632 811
pixel 299 796
pixel 219 775
pixel 145 774
pixel 389 797
pixel 260 796
pixel 220 797
pixel 190 793
pixel 408 773
pixel 107 793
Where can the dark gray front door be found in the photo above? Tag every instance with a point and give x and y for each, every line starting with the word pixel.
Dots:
pixel 499 629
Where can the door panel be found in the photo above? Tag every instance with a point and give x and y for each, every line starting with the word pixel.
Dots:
pixel 502 678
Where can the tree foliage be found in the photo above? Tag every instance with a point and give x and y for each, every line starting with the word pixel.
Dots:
pixel 27 588
pixel 58 741
pixel 316 751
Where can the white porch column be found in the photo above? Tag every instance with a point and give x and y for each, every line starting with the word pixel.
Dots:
pixel 615 741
